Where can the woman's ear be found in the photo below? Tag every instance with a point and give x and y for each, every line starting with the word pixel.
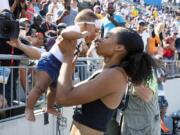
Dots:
pixel 119 48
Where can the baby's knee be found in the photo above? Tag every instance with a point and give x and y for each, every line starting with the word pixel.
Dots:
pixel 39 89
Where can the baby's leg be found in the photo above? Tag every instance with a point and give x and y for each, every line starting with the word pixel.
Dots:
pixel 51 96
pixel 42 81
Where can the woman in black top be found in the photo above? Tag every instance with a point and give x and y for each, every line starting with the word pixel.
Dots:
pixel 124 59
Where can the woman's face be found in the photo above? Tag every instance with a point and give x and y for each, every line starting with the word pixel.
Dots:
pixel 105 47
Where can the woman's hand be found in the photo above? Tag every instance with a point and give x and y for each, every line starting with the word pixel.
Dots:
pixel 143 93
pixel 67 47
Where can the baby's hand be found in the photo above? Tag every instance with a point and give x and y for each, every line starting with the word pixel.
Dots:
pixel 85 34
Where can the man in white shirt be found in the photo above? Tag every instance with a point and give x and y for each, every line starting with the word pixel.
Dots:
pixel 141 30
pixel 54 7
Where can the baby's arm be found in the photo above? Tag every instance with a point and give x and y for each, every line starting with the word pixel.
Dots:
pixel 73 35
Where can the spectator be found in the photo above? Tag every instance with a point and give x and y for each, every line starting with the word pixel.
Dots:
pixel 142 32
pixel 30 11
pixel 53 9
pixel 47 27
pixel 44 9
pixel 37 6
pixel 163 103
pixel 152 42
pixel 84 4
pixel 74 5
pixel 14 47
pixel 18 7
pixel 169 47
pixel 66 15
pixel 97 11
pixel 35 26
pixel 111 20
pixel 24 24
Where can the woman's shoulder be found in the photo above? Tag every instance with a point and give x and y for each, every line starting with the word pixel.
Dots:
pixel 115 74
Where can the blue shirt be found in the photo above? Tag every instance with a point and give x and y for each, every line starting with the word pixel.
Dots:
pixel 108 25
pixel 69 19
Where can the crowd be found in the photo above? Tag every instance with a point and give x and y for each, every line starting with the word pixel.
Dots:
pixel 132 38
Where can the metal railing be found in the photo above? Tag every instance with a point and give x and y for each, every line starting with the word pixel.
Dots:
pixel 16 89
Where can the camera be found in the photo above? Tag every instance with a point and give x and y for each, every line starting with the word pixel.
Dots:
pixel 9 27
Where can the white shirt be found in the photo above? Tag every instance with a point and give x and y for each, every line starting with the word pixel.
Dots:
pixel 55 10
pixel 55 50
pixel 4 5
pixel 144 36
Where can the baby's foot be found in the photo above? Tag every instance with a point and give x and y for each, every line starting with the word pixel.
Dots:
pixel 53 111
pixel 29 115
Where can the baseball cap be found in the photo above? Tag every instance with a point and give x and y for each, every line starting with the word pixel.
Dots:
pixel 141 22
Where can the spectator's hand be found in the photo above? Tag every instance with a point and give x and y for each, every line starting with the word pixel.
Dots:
pixel 55 5
pixel 110 17
pixel 14 43
pixel 65 13
pixel 143 93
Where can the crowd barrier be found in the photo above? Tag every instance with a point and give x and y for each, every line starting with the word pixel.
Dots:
pixel 21 80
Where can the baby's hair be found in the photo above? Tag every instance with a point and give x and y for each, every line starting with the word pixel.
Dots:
pixel 86 15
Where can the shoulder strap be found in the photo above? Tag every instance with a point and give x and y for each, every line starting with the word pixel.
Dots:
pixel 124 103
pixel 94 74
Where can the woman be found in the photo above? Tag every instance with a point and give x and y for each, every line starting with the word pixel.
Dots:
pixel 153 41
pixel 124 59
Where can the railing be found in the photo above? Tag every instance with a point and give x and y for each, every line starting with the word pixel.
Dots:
pixel 172 68
pixel 16 85
pixel 21 80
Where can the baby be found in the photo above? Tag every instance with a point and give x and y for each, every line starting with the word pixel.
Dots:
pixel 49 65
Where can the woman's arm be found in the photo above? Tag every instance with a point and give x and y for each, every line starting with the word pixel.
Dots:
pixel 101 86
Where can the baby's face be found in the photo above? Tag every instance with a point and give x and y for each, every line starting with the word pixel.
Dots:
pixel 93 32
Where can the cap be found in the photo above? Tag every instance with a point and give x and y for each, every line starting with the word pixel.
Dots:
pixel 61 26
pixel 23 21
pixel 141 22
pixel 157 56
